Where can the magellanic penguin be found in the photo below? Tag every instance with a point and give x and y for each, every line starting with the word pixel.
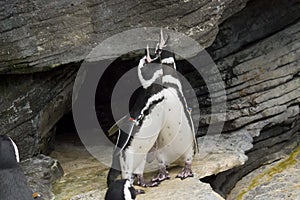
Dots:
pixel 177 139
pixel 13 184
pixel 162 123
pixel 121 190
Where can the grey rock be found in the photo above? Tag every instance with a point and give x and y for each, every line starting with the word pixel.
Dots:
pixel 31 105
pixel 37 36
pixel 277 180
pixel 41 172
pixel 262 85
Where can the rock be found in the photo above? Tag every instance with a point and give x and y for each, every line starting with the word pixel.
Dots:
pixel 32 104
pixel 41 172
pixel 257 21
pixel 277 180
pixel 37 36
pixel 190 188
pixel 261 73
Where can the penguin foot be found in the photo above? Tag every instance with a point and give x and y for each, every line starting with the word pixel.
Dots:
pixel 162 175
pixel 148 184
pixel 141 182
pixel 186 172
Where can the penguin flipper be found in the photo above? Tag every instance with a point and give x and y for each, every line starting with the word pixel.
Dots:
pixel 114 128
pixel 125 134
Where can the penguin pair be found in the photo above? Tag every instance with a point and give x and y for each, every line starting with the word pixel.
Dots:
pixel 162 126
pixel 13 183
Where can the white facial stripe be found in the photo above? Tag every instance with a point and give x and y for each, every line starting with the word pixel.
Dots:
pixel 147 83
pixel 16 150
pixel 151 99
pixel 142 62
pixel 169 60
pixel 127 194
pixel 173 80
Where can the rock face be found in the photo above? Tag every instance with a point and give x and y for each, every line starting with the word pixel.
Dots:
pixel 278 180
pixel 261 67
pixel 36 36
pixel 32 104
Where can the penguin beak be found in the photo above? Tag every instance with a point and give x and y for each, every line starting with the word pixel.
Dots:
pixel 162 43
pixel 148 57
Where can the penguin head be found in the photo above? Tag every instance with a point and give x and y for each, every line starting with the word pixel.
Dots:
pixel 9 153
pixel 149 70
pixel 121 190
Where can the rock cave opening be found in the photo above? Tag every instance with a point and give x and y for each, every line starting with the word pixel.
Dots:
pixel 66 132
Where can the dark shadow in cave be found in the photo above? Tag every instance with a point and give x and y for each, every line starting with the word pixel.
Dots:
pixel 66 131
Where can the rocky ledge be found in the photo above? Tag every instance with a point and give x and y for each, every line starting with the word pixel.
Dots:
pixel 85 177
pixel 41 172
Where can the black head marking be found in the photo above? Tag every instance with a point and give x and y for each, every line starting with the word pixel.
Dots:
pixel 149 70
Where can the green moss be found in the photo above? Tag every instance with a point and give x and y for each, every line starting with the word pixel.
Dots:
pixel 268 174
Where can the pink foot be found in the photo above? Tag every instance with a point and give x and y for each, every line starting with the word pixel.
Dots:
pixel 162 174
pixel 186 172
pixel 141 182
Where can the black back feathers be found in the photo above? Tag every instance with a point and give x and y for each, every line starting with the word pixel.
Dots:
pixel 13 184
pixel 120 190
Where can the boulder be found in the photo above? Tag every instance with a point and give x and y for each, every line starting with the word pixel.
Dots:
pixel 41 172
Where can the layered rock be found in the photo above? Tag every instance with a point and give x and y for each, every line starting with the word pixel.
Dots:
pixel 32 104
pixel 36 36
pixel 260 65
pixel 278 180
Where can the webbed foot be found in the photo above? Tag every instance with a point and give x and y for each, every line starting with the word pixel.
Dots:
pixel 141 182
pixel 186 172
pixel 162 175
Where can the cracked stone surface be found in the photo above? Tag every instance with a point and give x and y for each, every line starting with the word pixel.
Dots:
pixel 278 180
pixel 40 35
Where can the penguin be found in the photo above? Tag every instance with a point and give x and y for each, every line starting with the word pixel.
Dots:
pixel 162 124
pixel 121 190
pixel 135 138
pixel 13 183
pixel 139 132
pixel 176 142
